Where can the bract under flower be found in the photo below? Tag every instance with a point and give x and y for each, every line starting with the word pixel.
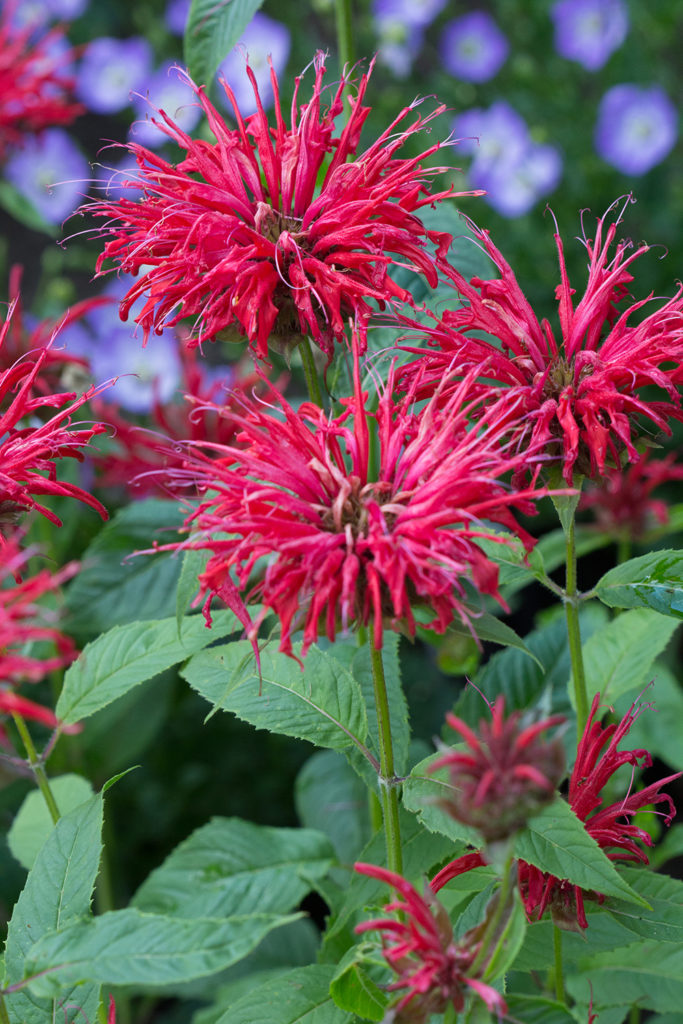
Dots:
pixel 274 230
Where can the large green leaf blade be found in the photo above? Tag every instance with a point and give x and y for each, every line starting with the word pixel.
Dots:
pixel 232 867
pixel 33 823
pixel 646 974
pixel 322 704
pixel 213 28
pixel 300 997
pixel 127 947
pixel 651 581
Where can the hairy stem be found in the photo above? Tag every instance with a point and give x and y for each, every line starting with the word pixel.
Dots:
pixel 310 372
pixel 387 779
pixel 37 767
pixel 571 608
pixel 559 972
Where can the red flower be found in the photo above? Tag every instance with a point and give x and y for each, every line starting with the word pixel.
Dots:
pixel 235 233
pixel 622 500
pixel 420 948
pixel 346 544
pixel 507 774
pixel 34 91
pixel 29 454
pixel 598 758
pixel 581 392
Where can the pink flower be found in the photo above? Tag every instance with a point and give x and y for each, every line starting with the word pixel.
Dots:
pixel 622 500
pixel 581 392
pixel 235 233
pixel 29 454
pixel 34 89
pixel 598 758
pixel 345 544
pixel 420 948
pixel 507 774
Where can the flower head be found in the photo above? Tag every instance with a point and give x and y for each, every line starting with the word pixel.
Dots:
pixel 598 758
pixel 49 170
pixel 473 48
pixel 507 773
pixel 636 127
pixel 622 500
pixel 345 545
pixel 110 70
pixel 35 87
pixel 419 946
pixel 235 234
pixel 581 391
pixel 589 31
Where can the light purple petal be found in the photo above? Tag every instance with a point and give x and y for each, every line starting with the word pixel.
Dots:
pixel 589 31
pixel 51 172
pixel 637 127
pixel 176 16
pixel 514 187
pixel 473 48
pixel 492 134
pixel 165 90
pixel 110 71
pixel 409 13
pixel 262 38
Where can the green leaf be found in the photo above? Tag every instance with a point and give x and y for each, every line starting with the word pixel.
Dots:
pixel 651 581
pixel 489 628
pixel 664 919
pixel 58 890
pixel 649 974
pixel 361 669
pixel 619 658
pixel 565 504
pixel 232 867
pixel 23 210
pixel 331 797
pixel 113 588
pixel 213 28
pixel 537 1010
pixel 194 562
pixel 554 840
pixel 322 703
pixel 353 989
pixel 671 846
pixel 658 729
pixel 33 823
pixel 300 997
pixel 128 655
pixel 127 947
pixel 508 939
pixel 422 791
pixel 604 932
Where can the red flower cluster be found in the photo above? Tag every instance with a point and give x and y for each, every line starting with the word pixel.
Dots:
pixel 34 92
pixel 420 948
pixel 235 233
pixel 582 393
pixel 507 774
pixel 598 758
pixel 622 500
pixel 346 544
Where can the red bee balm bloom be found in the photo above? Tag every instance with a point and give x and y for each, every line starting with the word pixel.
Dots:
pixel 235 233
pixel 420 948
pixel 582 392
pixel 345 545
pixel 597 760
pixel 507 774
pixel 34 91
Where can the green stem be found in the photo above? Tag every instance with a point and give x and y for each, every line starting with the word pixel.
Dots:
pixel 4 1015
pixel 559 973
pixel 496 917
pixel 634 1015
pixel 571 608
pixel 623 552
pixel 37 767
pixel 310 372
pixel 387 778
pixel 344 24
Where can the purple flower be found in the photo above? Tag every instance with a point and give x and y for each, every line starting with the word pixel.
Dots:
pixel 51 172
pixel 636 127
pixel 110 70
pixel 41 12
pixel 176 16
pixel 165 90
pixel 473 48
pixel 406 13
pixel 398 44
pixel 492 135
pixel 589 31
pixel 262 38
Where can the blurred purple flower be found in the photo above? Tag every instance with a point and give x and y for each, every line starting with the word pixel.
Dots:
pixel 263 38
pixel 398 42
pixel 165 90
pixel 51 172
pixel 637 127
pixel 110 70
pixel 589 31
pixel 42 12
pixel 491 135
pixel 406 13
pixel 176 16
pixel 473 48
pixel 112 176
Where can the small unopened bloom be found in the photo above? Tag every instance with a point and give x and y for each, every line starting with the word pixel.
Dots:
pixel 622 500
pixel 508 772
pixel 598 758
pixel 433 968
pixel 273 229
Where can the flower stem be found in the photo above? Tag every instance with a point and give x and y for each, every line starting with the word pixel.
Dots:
pixel 37 767
pixel 344 24
pixel 310 372
pixel 387 779
pixel 4 1015
pixel 559 973
pixel 571 608
pixel 493 925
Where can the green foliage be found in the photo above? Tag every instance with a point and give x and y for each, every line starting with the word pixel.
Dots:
pixel 353 989
pixel 33 823
pixel 663 919
pixel 213 28
pixel 422 791
pixel 301 997
pixel 651 581
pixel 649 974
pixel 658 729
pixel 330 796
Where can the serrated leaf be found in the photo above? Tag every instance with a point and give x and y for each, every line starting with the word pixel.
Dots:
pixel 128 655
pixel 556 841
pixel 353 989
pixel 651 581
pixel 603 932
pixel 194 561
pixel 649 974
pixel 58 889
pixel 300 997
pixel 127 947
pixel 663 920
pixel 489 628
pixel 213 29
pixel 33 822
pixel 322 703
pixel 537 1010
pixel 423 790
pixel 619 658
pixel 331 797
pixel 232 867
